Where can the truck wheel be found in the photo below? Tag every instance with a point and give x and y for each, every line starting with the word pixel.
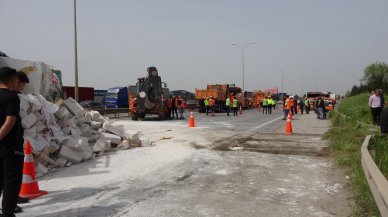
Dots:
pixel 142 115
pixel 135 117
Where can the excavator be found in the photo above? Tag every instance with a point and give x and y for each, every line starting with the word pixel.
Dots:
pixel 148 96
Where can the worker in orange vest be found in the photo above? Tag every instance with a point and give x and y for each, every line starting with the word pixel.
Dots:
pixel 169 106
pixel 292 104
pixel 287 107
pixel 182 107
pixel 212 103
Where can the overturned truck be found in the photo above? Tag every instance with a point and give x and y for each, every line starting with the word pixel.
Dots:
pixel 148 96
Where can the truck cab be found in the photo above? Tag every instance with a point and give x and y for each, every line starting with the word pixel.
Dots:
pixel 117 97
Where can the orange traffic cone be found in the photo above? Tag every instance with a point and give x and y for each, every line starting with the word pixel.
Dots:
pixel 191 122
pixel 288 127
pixel 30 187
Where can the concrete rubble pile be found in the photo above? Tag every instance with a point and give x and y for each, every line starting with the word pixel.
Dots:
pixel 63 133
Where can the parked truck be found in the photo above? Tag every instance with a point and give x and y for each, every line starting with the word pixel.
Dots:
pixel 148 96
pixel 219 92
pixel 116 97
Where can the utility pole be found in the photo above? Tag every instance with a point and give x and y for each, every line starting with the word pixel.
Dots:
pixel 242 60
pixel 76 95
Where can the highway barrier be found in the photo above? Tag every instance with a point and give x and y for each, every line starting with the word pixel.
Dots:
pixel 377 182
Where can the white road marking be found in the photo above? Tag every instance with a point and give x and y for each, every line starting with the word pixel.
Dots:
pixel 262 125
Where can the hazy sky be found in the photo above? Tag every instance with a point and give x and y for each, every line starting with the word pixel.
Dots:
pixel 322 45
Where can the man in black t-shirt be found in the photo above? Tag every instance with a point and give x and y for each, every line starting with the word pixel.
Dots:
pixel 384 121
pixel 11 142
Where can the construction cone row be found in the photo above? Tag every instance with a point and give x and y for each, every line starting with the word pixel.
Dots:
pixel 191 121
pixel 288 126
pixel 30 187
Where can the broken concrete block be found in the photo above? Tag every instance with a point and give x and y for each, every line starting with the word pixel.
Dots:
pixel 29 121
pixel 103 120
pixel 38 116
pixel 88 117
pixel 30 132
pixel 113 129
pixel 95 115
pixel 69 154
pixel 95 125
pixel 41 168
pixel 86 155
pixel 108 144
pixel 39 126
pixel 113 138
pixel 93 138
pixel 62 162
pixel 74 108
pixel 62 112
pixel 124 145
pixel 145 142
pixel 101 130
pixel 99 146
pixel 80 144
pixel 132 135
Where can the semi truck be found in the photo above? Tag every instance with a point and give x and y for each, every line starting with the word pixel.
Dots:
pixel 148 96
pixel 116 97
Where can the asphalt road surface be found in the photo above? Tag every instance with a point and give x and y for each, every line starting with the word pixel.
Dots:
pixel 204 171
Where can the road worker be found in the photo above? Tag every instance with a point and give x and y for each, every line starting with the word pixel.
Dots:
pixel 227 106
pixel 265 105
pixel 235 107
pixel 301 105
pixel 307 105
pixel 169 106
pixel 182 107
pixel 207 105
pixel 174 107
pixel 292 104
pixel 269 105
pixel 287 107
pixel 212 103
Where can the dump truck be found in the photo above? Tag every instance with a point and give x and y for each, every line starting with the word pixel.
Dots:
pixel 313 96
pixel 218 91
pixel 148 96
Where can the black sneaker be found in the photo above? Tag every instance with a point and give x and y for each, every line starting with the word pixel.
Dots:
pixel 18 209
pixel 23 200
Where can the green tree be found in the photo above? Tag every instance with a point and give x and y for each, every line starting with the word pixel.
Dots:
pixel 376 76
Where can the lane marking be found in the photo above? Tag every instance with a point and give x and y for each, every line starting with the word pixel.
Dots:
pixel 262 125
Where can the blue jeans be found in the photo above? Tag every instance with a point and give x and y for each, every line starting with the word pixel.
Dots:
pixel 286 111
pixel 322 114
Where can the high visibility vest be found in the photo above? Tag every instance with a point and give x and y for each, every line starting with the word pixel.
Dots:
pixel 306 102
pixel 183 104
pixel 288 103
pixel 235 103
pixel 206 102
pixel 227 103
pixel 169 102
pixel 265 102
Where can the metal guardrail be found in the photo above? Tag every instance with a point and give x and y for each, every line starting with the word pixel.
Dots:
pixel 377 182
pixel 115 111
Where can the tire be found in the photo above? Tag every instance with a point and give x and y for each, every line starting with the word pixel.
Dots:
pixel 142 115
pixel 135 117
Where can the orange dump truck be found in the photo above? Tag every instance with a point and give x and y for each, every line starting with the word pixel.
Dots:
pixel 218 91
pixel 258 97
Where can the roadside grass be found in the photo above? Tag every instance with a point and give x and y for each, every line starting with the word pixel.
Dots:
pixel 379 143
pixel 346 138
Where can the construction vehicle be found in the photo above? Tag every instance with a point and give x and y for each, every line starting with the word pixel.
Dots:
pixel 258 96
pixel 148 96
pixel 219 92
pixel 116 97
pixel 313 97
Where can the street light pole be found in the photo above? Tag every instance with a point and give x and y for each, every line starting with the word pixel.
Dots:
pixel 242 60
pixel 76 96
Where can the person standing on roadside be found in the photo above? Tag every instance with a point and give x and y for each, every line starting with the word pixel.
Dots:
pixel 307 105
pixel 227 106
pixel 207 105
pixel 292 104
pixel 375 106
pixel 174 109
pixel 169 106
pixel 11 142
pixel 287 107
pixel 212 103
pixel 235 107
pixel 265 105
pixel 301 105
pixel 182 107
pixel 321 108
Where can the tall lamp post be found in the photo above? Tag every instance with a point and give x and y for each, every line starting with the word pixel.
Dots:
pixel 243 62
pixel 76 96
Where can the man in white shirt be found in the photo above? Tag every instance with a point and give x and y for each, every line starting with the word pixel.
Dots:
pixel 375 106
